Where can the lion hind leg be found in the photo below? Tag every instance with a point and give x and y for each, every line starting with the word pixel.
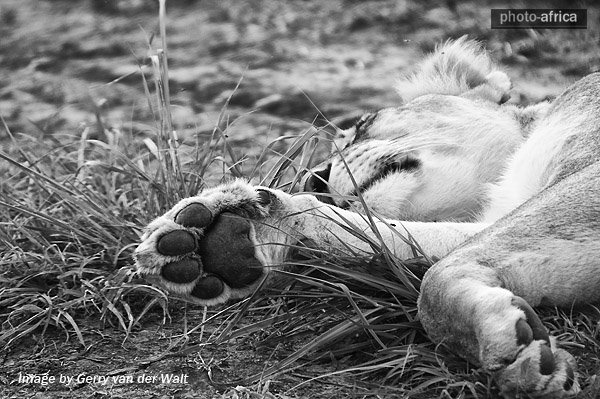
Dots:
pixel 540 369
pixel 465 308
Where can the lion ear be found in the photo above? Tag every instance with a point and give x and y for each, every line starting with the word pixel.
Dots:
pixel 455 68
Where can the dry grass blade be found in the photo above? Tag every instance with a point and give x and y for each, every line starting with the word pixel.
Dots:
pixel 287 160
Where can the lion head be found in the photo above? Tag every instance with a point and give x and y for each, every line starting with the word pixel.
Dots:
pixel 432 157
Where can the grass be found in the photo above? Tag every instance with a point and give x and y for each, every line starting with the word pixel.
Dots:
pixel 72 208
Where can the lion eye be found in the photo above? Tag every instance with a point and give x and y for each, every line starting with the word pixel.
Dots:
pixel 362 126
pixel 407 164
pixel 365 121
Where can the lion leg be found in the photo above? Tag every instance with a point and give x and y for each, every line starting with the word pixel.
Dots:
pixel 463 306
pixel 478 299
pixel 222 244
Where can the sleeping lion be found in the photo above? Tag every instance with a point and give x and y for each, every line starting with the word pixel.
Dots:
pixel 508 197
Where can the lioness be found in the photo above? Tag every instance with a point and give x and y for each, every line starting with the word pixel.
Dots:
pixel 508 197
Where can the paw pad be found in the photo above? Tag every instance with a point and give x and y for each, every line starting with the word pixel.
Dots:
pixel 178 242
pixel 208 287
pixel 194 215
pixel 539 370
pixel 203 250
pixel 229 252
pixel 182 272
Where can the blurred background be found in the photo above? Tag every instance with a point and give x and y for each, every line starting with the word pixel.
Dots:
pixel 65 65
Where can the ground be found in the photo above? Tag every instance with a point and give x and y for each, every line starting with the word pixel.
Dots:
pixel 73 72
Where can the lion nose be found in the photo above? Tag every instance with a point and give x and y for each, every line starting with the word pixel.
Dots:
pixel 316 182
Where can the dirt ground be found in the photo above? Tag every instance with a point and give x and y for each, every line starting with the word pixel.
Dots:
pixel 159 360
pixel 66 65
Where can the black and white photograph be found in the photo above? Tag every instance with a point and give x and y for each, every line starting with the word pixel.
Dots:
pixel 289 199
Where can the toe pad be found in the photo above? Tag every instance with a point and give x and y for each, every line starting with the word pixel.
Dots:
pixel 208 287
pixel 194 215
pixel 182 272
pixel 178 242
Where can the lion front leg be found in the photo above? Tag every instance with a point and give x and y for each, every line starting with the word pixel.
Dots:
pixel 218 245
pixel 221 244
pixel 464 306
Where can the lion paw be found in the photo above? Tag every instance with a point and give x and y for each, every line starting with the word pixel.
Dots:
pixel 539 370
pixel 204 249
